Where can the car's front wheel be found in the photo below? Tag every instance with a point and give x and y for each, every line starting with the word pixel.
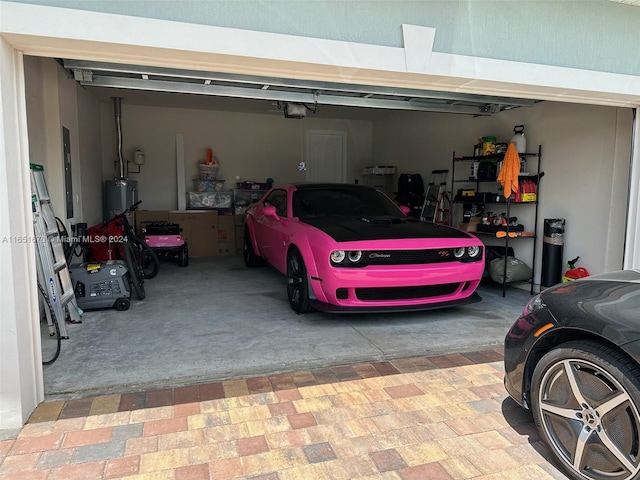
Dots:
pixel 585 399
pixel 250 258
pixel 297 283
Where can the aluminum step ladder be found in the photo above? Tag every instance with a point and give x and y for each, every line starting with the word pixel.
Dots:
pixel 51 265
pixel 442 215
pixel 435 208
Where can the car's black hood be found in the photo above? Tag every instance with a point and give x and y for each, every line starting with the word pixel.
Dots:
pixel 344 228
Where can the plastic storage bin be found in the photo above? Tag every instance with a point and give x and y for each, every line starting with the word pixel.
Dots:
pixel 209 200
pixel 242 198
pixel 200 185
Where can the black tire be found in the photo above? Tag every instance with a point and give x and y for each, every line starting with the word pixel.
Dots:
pixel 122 304
pixel 251 260
pixel 183 257
pixel 585 399
pixel 50 334
pixel 136 279
pixel 146 256
pixel 297 283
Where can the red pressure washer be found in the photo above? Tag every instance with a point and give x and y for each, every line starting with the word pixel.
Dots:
pixel 574 273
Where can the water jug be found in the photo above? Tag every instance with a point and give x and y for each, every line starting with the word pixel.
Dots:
pixel 519 139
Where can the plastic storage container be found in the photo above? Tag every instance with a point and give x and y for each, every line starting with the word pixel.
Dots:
pixel 209 200
pixel 200 185
pixel 519 139
pixel 243 197
pixel 488 145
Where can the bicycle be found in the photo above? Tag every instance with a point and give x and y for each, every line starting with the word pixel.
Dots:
pixel 49 330
pixel 141 260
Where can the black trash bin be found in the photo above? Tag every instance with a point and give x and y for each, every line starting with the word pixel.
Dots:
pixel 552 248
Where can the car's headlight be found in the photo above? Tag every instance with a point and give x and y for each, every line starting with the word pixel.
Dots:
pixel 467 254
pixel 473 251
pixel 533 305
pixel 355 256
pixel 346 259
pixel 337 256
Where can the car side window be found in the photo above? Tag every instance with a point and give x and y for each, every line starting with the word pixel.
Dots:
pixel 278 199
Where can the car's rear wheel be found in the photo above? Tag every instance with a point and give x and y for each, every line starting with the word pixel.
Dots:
pixel 250 258
pixel 585 399
pixel 297 283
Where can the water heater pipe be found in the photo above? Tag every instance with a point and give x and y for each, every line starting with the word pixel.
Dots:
pixel 117 107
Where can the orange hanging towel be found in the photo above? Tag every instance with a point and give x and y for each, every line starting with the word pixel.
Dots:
pixel 508 175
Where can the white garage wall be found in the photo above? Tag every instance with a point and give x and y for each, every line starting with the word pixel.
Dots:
pixel 252 146
pixel 90 157
pixel 585 157
pixel 68 108
pixel 54 100
pixel 43 122
pixel 34 93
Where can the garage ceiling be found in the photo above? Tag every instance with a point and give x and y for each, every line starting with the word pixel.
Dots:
pixel 274 92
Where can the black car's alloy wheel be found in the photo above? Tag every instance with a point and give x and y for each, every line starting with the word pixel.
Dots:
pixel 585 400
pixel 297 283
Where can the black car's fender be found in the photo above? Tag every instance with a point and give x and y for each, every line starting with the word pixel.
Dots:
pixel 522 351
pixel 519 369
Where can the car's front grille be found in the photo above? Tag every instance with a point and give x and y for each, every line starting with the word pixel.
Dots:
pixel 407 257
pixel 406 293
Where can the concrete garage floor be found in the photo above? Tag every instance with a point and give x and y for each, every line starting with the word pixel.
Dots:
pixel 216 320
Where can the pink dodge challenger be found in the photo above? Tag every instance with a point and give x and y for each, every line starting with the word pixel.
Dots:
pixel 349 248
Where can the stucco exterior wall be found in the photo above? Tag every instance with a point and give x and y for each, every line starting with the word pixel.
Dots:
pixel 592 35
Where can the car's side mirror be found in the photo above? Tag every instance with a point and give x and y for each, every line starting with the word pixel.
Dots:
pixel 404 209
pixel 270 211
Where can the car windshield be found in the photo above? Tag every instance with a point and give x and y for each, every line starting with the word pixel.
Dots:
pixel 315 202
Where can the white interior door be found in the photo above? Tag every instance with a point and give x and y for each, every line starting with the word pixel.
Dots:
pixel 326 154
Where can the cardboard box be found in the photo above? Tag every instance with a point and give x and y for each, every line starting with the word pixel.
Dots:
pixel 226 235
pixel 142 216
pixel 240 219
pixel 200 230
pixel 239 240
pixel 471 226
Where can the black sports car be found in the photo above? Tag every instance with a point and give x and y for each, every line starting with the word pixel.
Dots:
pixel 573 358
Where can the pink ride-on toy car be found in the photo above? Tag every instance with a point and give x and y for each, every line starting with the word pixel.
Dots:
pixel 166 240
